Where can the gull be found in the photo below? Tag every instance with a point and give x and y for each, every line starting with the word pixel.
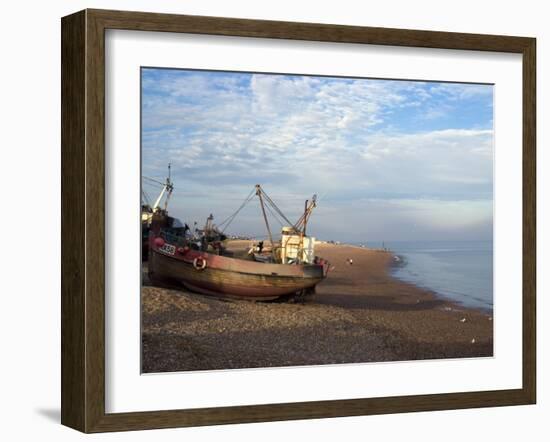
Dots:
pixel 463 320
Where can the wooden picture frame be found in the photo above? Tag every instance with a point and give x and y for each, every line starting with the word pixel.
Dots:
pixel 83 219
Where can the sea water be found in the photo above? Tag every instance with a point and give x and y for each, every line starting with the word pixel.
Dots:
pixel 461 271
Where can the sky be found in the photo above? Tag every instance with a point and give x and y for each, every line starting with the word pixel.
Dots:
pixel 387 159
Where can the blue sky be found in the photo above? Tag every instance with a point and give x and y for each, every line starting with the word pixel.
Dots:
pixel 388 159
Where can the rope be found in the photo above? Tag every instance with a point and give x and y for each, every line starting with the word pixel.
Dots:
pixel 230 218
pixel 273 209
pixel 152 180
pixel 275 216
pixel 281 214
pixel 146 198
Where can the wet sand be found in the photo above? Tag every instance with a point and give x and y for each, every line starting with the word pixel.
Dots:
pixel 358 314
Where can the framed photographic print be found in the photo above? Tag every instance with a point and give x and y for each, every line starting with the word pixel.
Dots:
pixel 270 220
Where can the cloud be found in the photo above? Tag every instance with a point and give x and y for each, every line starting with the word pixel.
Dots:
pixel 353 140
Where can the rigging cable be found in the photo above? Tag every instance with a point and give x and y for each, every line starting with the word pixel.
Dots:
pixel 152 181
pixel 145 198
pixel 275 216
pixel 230 218
pixel 270 201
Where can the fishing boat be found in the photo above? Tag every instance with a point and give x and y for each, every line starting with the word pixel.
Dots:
pixel 156 213
pixel 201 263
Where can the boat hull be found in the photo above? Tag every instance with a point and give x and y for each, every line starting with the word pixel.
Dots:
pixel 229 277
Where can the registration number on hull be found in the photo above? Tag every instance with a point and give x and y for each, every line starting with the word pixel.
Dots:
pixel 168 249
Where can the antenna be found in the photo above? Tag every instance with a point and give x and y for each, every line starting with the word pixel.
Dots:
pixel 169 186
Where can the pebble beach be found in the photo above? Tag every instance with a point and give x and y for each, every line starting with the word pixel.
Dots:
pixel 359 314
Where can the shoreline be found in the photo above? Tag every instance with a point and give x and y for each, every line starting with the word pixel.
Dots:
pixel 448 298
pixel 391 269
pixel 360 313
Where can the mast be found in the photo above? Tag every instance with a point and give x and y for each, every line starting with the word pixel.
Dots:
pixel 208 227
pixel 305 218
pixel 301 224
pixel 157 202
pixel 259 193
pixel 167 187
